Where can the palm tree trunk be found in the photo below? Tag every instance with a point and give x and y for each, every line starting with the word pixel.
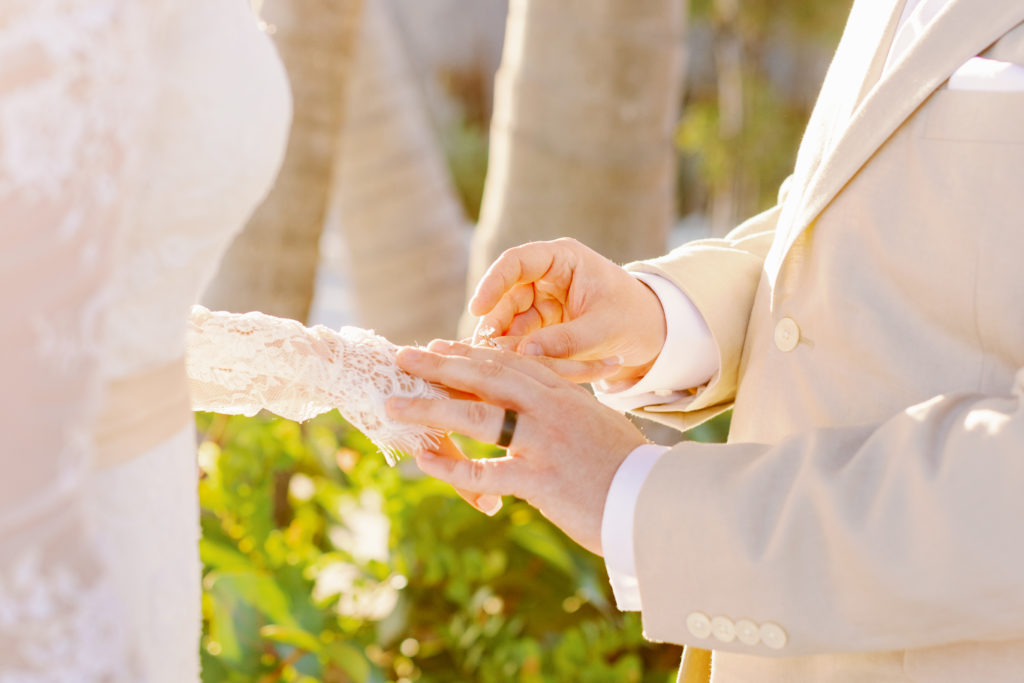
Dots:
pixel 586 100
pixel 272 264
pixel 395 229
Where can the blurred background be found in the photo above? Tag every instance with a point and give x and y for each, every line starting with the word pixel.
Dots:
pixel 429 136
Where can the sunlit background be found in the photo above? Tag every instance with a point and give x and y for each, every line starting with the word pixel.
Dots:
pixel 632 126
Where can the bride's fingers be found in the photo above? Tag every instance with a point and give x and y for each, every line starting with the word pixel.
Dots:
pixel 578 371
pixel 465 395
pixel 487 503
pixel 491 380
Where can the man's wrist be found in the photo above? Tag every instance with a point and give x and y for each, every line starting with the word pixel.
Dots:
pixel 688 357
pixel 655 330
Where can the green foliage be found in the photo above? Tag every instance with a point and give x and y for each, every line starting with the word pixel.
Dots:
pixel 762 153
pixel 323 564
pixel 820 21
pixel 714 430
pixel 748 165
pixel 465 147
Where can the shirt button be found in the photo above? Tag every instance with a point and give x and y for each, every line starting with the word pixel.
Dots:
pixel 747 632
pixel 723 629
pixel 787 335
pixel 773 636
pixel 699 624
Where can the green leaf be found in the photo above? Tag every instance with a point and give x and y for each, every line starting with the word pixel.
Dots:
pixel 221 556
pixel 255 588
pixel 292 636
pixel 544 542
pixel 350 659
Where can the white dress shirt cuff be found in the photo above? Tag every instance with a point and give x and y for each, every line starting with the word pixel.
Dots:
pixel 689 357
pixel 617 524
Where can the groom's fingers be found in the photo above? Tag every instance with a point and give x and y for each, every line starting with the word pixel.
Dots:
pixel 512 304
pixel 488 504
pixel 476 419
pixel 520 265
pixel 525 323
pixel 496 476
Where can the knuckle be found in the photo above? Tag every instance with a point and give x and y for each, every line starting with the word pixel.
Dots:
pixel 491 370
pixel 477 473
pixel 566 343
pixel 438 345
pixel 476 413
pixel 433 360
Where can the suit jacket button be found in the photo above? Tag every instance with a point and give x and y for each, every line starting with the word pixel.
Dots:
pixel 773 636
pixel 699 624
pixel 747 632
pixel 723 629
pixel 787 335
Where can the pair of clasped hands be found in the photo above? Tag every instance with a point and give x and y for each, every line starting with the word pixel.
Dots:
pixel 555 313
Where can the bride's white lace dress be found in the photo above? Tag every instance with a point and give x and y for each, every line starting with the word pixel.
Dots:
pixel 63 79
pixel 211 146
pixel 135 140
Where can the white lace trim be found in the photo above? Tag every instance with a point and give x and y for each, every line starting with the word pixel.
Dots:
pixel 242 363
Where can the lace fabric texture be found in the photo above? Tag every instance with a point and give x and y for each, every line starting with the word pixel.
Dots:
pixel 65 126
pixel 242 363
pixel 210 143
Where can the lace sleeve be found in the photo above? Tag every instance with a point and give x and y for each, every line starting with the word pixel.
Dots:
pixel 61 161
pixel 243 363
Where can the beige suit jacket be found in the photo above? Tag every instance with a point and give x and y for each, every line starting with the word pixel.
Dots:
pixel 865 522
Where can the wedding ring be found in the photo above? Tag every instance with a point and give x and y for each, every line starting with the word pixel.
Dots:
pixel 508 428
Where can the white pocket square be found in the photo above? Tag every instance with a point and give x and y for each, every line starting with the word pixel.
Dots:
pixel 989 75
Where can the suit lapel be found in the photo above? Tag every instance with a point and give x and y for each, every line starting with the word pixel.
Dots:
pixel 865 39
pixel 961 31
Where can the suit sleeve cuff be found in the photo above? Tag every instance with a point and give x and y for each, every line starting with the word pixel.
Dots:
pixel 689 357
pixel 617 524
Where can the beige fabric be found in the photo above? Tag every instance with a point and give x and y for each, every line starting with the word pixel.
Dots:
pixel 141 411
pixel 868 502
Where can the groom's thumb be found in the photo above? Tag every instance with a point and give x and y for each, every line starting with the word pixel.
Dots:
pixel 574 339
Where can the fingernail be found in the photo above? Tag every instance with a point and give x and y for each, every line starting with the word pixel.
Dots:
pixel 398 402
pixel 411 353
pixel 614 360
pixel 533 349
pixel 424 461
pixel 489 505
pixel 440 345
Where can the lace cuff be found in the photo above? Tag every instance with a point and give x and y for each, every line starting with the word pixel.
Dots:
pixel 243 363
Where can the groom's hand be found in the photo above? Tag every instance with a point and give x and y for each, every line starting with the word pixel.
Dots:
pixel 561 299
pixel 564 451
pixel 487 503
